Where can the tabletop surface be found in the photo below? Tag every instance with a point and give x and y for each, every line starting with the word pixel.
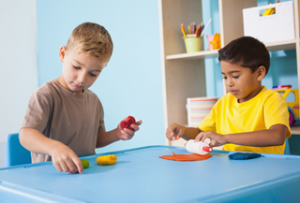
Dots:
pixel 141 176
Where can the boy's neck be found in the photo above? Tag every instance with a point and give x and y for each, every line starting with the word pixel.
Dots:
pixel 251 95
pixel 63 83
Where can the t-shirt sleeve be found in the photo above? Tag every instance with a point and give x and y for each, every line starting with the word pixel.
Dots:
pixel 209 122
pixel 38 111
pixel 276 112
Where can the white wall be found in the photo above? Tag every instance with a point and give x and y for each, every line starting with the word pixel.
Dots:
pixel 18 62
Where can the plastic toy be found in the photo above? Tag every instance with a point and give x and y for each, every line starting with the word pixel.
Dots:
pixel 214 41
pixel 293 106
pixel 201 148
pixel 127 122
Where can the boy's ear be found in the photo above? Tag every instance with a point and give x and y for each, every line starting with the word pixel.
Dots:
pixel 261 73
pixel 62 53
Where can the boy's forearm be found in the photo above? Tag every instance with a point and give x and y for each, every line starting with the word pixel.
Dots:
pixel 272 137
pixel 190 133
pixel 34 141
pixel 106 138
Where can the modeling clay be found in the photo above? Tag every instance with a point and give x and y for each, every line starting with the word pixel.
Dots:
pixel 110 159
pixel 243 156
pixel 85 164
pixel 186 157
pixel 127 122
pixel 198 147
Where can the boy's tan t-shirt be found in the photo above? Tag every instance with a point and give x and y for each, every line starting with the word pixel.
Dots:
pixel 73 119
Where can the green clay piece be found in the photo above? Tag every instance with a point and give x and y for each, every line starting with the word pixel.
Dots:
pixel 85 163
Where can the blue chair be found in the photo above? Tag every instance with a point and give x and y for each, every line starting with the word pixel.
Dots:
pixel 287 147
pixel 15 153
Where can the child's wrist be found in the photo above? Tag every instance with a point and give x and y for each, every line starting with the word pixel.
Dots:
pixel 227 138
pixel 53 147
pixel 118 131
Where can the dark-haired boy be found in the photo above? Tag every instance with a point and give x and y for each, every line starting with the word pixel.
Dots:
pixel 249 117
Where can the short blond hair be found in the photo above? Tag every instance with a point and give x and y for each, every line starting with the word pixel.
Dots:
pixel 92 39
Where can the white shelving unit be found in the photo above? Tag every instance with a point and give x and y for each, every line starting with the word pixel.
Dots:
pixel 184 73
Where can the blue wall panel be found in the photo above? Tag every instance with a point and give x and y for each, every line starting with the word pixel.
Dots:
pixel 131 83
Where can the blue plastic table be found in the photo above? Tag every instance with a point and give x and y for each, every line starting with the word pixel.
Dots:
pixel 140 176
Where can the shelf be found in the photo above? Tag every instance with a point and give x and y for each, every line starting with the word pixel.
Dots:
pixel 282 45
pixel 295 130
pixel 196 55
pixel 273 46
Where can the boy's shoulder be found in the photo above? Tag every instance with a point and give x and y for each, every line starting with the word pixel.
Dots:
pixel 269 94
pixel 47 89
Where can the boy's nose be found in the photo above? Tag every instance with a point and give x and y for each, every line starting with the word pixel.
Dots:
pixel 229 82
pixel 82 78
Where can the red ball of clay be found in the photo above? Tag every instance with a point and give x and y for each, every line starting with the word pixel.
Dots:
pixel 127 122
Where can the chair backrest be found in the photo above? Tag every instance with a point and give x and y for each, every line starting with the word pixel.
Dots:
pixel 15 153
pixel 287 147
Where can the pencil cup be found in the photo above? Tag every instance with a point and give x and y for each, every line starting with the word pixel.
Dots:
pixel 193 44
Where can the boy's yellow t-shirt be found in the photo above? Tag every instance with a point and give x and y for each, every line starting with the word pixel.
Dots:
pixel 228 116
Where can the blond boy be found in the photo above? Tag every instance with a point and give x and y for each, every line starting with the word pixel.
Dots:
pixel 64 119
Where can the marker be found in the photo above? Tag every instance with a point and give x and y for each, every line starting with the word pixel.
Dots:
pixel 205 27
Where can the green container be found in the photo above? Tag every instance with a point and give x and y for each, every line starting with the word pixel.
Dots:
pixel 85 163
pixel 193 44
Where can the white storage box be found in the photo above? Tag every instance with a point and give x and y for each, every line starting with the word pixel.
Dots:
pixel 270 28
pixel 198 108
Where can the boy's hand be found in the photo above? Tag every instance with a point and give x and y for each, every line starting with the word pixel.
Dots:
pixel 175 131
pixel 64 159
pixel 127 134
pixel 215 138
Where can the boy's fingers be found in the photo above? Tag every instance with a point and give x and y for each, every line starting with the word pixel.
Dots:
pixel 71 166
pixel 64 166
pixel 139 122
pixel 180 133
pixel 128 132
pixel 79 165
pixel 199 137
pixel 212 143
pixel 206 136
pixel 135 127
pixel 169 131
pixel 169 134
pixel 57 166
pixel 126 137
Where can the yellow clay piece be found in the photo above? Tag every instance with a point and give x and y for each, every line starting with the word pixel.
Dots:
pixel 110 159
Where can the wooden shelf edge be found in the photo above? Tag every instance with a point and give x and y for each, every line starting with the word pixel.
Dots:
pixel 282 45
pixel 196 55
pixel 273 46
